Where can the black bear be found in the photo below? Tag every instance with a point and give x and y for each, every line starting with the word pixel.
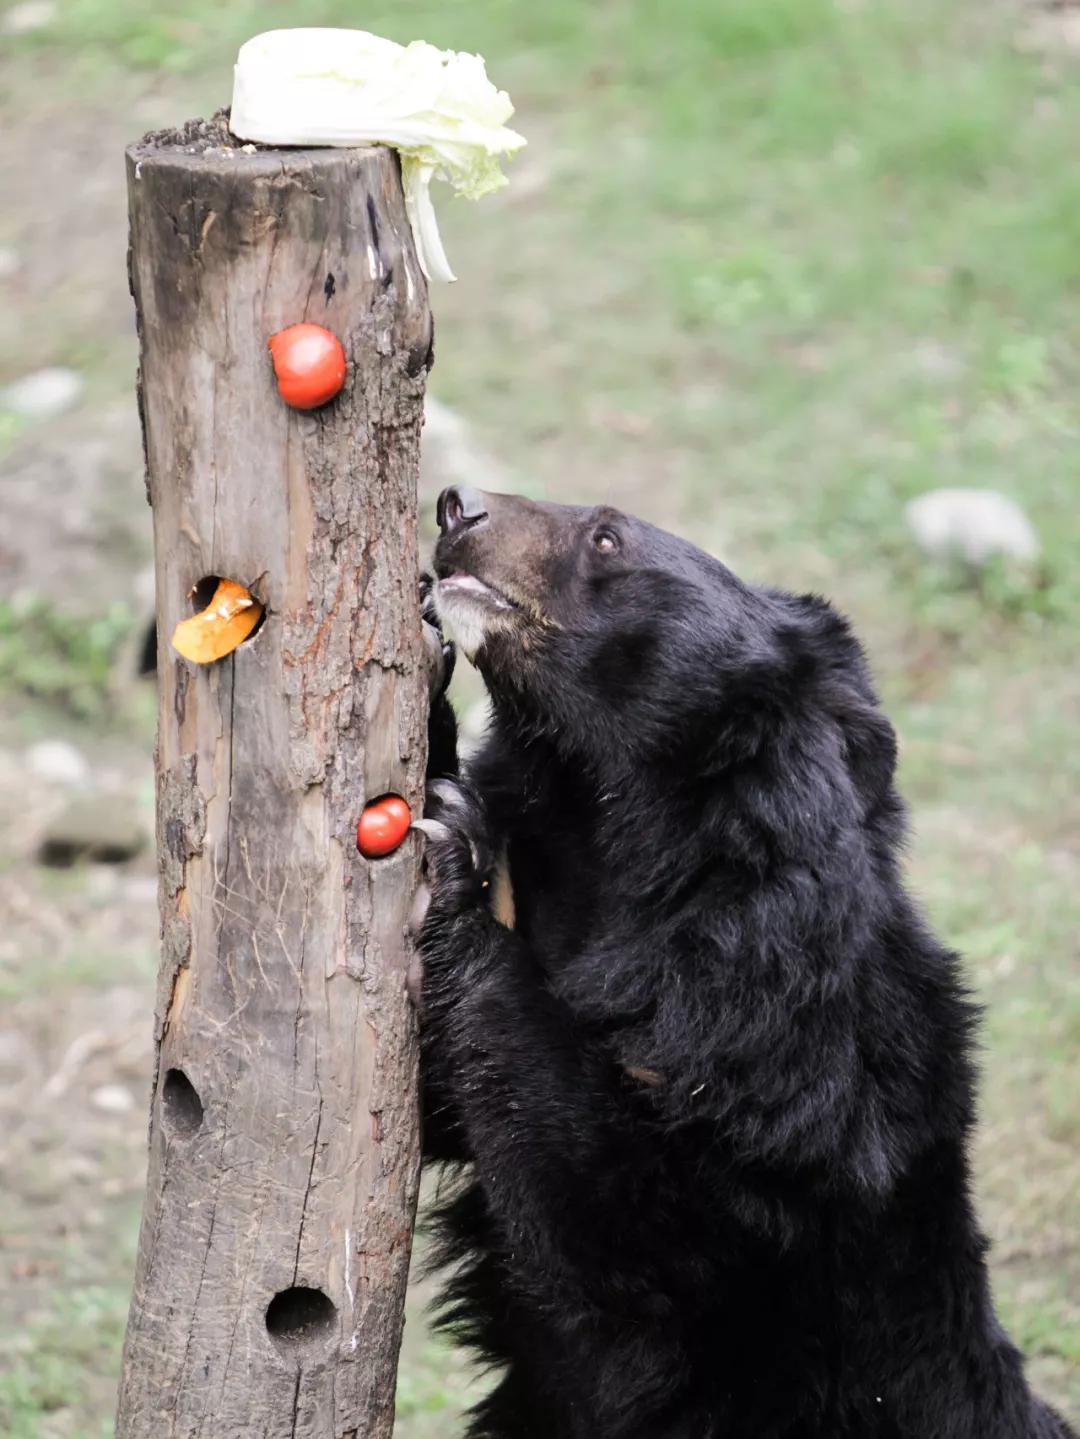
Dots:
pixel 707 1072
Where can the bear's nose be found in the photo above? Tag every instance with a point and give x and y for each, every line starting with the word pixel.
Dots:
pixel 459 508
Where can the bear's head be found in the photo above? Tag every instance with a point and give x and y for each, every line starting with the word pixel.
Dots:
pixel 623 643
pixel 729 900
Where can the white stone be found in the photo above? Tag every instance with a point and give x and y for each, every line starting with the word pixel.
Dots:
pixel 441 422
pixel 30 15
pixel 14 1050
pixel 1056 29
pixel 80 1166
pixel 450 456
pixel 57 762
pixel 972 525
pixel 112 1098
pixel 44 393
pixel 937 362
pixel 144 589
pixel 102 883
pixel 140 889
pixel 9 262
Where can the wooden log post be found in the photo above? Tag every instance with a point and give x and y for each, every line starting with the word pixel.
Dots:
pixel 284 1162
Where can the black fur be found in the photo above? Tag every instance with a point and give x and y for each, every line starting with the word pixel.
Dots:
pixel 713 1095
pixel 442 726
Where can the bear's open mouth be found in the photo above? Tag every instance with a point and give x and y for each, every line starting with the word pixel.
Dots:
pixel 458 583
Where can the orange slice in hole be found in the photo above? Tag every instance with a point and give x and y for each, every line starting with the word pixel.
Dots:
pixel 227 621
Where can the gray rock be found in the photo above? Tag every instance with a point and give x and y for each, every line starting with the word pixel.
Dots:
pixel 112 1099
pixel 81 1168
pixel 95 467
pixel 450 456
pixel 99 829
pixel 9 262
pixel 30 15
pixel 43 394
pixel 57 762
pixel 1054 28
pixel 441 423
pixel 14 1050
pixel 937 362
pixel 971 525
pixel 144 589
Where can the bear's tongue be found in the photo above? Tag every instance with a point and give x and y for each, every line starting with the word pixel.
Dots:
pixel 460 580
pixel 469 584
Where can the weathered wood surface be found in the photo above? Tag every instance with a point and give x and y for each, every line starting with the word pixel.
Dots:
pixel 284 1132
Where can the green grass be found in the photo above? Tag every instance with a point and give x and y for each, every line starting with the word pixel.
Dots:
pixel 709 294
pixel 50 655
pixel 66 1353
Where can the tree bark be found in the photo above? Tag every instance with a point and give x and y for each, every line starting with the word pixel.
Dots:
pixel 284 1152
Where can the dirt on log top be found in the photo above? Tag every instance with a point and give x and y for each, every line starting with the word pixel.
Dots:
pixel 196 137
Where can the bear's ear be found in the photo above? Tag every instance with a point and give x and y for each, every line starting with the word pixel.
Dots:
pixel 870 749
pixel 847 695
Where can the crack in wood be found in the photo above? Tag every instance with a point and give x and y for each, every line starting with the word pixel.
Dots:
pixel 308 1186
pixel 296 1406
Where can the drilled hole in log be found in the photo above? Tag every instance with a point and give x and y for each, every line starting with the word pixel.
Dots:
pixel 225 615
pixel 180 1103
pixel 148 651
pixel 300 1319
pixel 199 598
pixel 201 595
pixel 382 826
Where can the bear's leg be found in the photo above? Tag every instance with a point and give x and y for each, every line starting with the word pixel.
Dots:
pixel 440 1139
pixel 511 1411
pixel 442 724
pixel 537 1107
pixel 541 1112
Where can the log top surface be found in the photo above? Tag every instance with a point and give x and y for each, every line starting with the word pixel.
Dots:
pixel 213 140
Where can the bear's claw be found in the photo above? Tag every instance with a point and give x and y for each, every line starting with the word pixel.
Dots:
pixel 458 856
pixel 441 652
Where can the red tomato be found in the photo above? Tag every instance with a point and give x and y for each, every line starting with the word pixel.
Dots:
pixel 383 826
pixel 309 364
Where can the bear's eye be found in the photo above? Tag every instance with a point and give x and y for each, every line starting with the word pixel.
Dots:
pixel 606 541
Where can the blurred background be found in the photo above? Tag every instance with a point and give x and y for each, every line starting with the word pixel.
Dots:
pixel 769 272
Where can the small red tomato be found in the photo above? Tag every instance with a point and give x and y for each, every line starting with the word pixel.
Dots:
pixel 383 826
pixel 309 364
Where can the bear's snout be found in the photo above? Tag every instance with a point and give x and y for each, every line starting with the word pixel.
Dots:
pixel 460 507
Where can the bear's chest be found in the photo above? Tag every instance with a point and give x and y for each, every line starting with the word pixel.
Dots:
pixel 547 884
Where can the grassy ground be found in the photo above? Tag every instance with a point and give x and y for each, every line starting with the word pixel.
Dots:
pixel 768 269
